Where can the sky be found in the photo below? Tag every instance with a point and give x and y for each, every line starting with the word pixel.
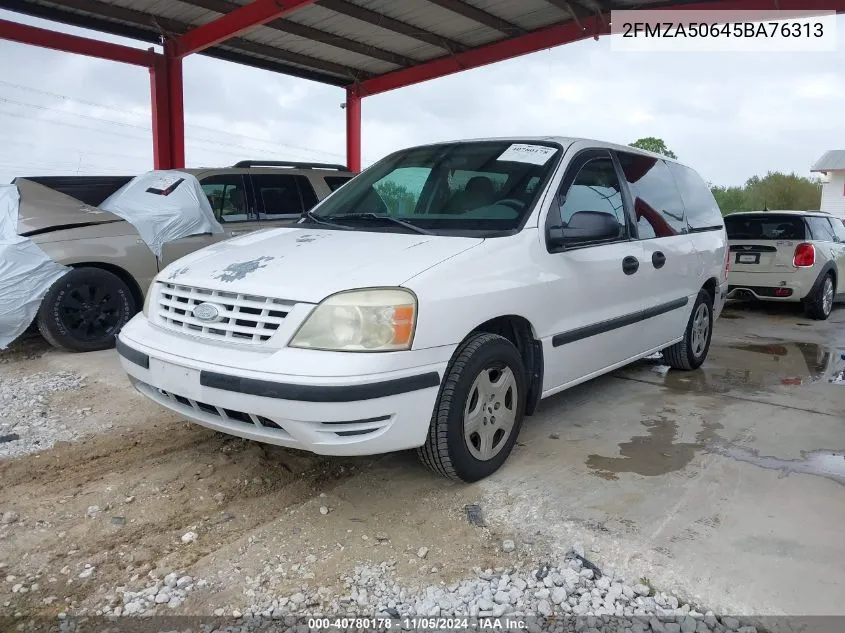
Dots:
pixel 728 115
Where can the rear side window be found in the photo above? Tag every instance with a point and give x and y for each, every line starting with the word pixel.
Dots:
pixel 821 229
pixel 281 195
pixel 657 202
pixel 336 182
pixel 702 210
pixel 765 227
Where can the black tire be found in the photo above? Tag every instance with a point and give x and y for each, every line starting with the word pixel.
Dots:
pixel 446 451
pixel 84 310
pixel 814 305
pixel 682 354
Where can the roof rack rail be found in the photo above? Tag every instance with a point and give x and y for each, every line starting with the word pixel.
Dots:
pixel 294 165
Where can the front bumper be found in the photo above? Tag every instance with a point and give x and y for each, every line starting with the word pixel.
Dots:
pixel 371 412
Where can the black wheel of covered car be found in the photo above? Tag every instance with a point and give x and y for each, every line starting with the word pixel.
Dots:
pixel 479 410
pixel 84 310
pixel 690 352
pixel 819 304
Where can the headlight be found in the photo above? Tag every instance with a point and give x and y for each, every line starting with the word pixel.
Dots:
pixel 377 320
pixel 148 299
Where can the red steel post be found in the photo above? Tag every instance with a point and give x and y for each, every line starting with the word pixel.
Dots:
pixel 353 129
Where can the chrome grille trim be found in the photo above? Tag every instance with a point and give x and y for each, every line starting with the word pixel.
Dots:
pixel 243 318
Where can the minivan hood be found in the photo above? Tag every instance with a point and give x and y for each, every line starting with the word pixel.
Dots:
pixel 307 264
pixel 43 209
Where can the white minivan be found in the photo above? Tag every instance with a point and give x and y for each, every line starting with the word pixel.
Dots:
pixel 435 298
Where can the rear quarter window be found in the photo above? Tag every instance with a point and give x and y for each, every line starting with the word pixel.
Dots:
pixel 658 205
pixel 765 227
pixel 702 210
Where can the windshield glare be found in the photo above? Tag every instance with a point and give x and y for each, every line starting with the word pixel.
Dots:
pixel 486 186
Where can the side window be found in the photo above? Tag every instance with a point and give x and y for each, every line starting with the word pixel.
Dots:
pixel 702 210
pixel 838 229
pixel 821 229
pixel 595 189
pixel 336 182
pixel 283 195
pixel 657 202
pixel 227 195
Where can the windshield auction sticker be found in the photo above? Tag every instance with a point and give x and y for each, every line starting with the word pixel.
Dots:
pixel 523 153
pixel 723 31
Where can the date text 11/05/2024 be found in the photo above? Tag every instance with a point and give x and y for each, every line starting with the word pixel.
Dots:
pixel 418 624
pixel 712 30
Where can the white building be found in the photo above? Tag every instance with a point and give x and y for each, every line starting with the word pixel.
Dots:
pixel 832 165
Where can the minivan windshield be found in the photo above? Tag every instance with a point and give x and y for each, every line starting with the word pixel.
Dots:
pixel 765 226
pixel 479 187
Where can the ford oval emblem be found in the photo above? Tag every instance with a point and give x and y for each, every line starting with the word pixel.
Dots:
pixel 206 312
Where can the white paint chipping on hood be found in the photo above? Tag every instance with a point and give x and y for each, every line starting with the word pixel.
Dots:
pixel 304 264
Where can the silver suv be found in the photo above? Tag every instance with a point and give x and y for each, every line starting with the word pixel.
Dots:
pixel 796 256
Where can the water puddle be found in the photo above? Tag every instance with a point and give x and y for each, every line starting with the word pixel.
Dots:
pixel 758 366
pixel 828 464
pixel 655 453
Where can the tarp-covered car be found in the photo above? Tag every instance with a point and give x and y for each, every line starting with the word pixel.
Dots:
pixel 113 248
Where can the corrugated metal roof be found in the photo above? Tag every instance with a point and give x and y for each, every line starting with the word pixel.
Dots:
pixel 339 42
pixel 834 160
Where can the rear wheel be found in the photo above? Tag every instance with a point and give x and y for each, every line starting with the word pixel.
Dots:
pixel 479 411
pixel 819 304
pixel 690 352
pixel 84 310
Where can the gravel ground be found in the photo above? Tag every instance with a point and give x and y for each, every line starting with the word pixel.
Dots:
pixel 27 425
pixel 568 595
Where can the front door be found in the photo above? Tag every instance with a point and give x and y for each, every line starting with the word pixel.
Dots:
pixel 838 248
pixel 596 289
pixel 234 207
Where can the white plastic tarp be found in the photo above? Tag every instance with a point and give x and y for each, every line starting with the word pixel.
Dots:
pixel 26 272
pixel 164 206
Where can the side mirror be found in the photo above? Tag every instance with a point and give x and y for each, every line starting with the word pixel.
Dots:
pixel 584 226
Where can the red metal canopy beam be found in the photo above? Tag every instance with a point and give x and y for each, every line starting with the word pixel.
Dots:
pixel 557 35
pixel 246 17
pixel 45 38
pixel 483 55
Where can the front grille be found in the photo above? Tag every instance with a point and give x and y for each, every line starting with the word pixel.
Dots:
pixel 242 318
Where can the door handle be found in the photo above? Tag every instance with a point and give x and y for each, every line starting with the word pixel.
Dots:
pixel 658 259
pixel 630 265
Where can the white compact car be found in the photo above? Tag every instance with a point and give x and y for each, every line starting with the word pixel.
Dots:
pixel 434 299
pixel 787 256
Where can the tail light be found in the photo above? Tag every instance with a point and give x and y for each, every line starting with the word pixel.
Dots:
pixel 805 256
pixel 727 261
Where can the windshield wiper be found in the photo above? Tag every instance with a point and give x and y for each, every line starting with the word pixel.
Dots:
pixel 318 220
pixel 376 216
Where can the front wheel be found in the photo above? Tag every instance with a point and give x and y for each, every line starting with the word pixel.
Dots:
pixel 83 310
pixel 479 410
pixel 690 352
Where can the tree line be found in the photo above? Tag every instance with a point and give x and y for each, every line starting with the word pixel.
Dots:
pixel 774 191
